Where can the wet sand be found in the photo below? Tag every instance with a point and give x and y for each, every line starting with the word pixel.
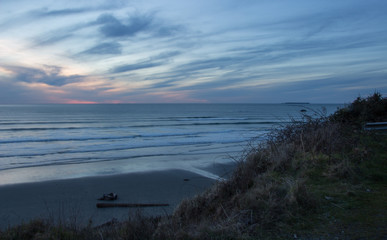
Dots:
pixel 74 200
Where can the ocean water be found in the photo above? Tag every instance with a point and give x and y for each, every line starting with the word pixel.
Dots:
pixel 47 142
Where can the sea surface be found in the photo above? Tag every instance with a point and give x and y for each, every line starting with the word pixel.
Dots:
pixel 47 142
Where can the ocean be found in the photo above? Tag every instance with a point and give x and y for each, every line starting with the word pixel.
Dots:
pixel 49 142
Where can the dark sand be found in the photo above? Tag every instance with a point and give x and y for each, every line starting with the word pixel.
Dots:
pixel 74 200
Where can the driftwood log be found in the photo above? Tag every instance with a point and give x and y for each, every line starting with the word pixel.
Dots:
pixel 131 205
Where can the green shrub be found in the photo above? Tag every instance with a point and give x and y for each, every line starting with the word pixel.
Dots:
pixel 362 110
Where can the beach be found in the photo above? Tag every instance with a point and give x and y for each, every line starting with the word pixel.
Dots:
pixel 74 200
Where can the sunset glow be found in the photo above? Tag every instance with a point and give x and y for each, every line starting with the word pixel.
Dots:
pixel 79 102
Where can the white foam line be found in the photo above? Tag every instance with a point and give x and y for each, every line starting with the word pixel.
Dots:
pixel 206 174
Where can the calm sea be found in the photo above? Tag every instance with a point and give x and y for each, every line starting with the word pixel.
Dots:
pixel 46 142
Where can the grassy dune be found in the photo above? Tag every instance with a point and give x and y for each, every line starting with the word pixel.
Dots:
pixel 320 178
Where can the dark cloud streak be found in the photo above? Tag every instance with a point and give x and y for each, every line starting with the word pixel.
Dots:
pixel 112 27
pixel 155 61
pixel 104 49
pixel 60 12
pixel 166 55
pixel 133 67
pixel 52 39
pixel 51 75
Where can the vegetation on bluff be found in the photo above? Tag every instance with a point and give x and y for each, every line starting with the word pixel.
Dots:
pixel 319 178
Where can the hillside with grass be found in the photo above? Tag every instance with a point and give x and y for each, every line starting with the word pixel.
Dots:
pixel 318 178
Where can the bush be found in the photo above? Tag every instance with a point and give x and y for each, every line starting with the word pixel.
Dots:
pixel 362 110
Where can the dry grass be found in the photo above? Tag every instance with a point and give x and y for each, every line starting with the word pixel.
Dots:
pixel 136 227
pixel 271 186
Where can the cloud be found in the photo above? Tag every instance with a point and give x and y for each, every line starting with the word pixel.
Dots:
pixel 166 55
pixel 52 39
pixel 50 75
pixel 340 82
pixel 104 48
pixel 60 12
pixel 31 16
pixel 224 54
pixel 155 61
pixel 264 57
pixel 91 7
pixel 112 27
pixel 133 67
pixel 60 34
pixel 217 62
pixel 14 93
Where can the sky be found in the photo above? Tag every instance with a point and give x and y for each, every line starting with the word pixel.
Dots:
pixel 202 51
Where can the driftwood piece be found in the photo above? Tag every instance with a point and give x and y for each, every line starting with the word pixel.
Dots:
pixel 131 205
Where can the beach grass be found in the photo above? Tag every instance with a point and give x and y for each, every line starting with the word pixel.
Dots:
pixel 316 178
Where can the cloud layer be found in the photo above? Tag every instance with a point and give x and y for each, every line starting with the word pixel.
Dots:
pixel 165 51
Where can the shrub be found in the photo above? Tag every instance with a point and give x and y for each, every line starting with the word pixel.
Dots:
pixel 362 110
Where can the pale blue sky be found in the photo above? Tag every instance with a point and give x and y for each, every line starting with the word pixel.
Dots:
pixel 192 51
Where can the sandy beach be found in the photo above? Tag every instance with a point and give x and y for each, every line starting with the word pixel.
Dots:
pixel 75 200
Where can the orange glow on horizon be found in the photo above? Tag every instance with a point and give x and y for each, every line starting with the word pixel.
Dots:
pixel 73 101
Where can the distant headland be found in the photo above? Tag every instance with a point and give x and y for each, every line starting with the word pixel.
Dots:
pixel 296 103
